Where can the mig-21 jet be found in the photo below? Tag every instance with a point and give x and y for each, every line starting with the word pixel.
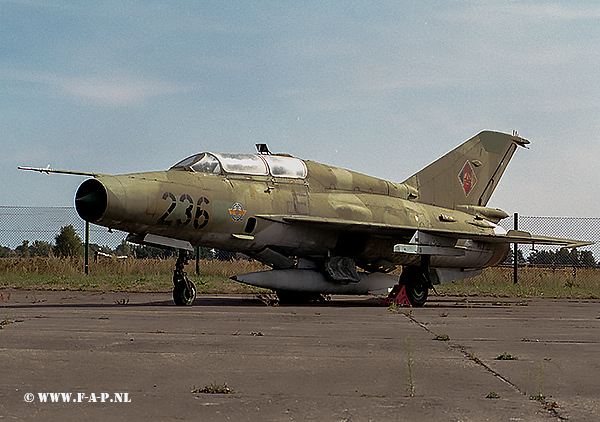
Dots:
pixel 322 229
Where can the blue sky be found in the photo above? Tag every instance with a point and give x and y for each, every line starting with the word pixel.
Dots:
pixel 378 87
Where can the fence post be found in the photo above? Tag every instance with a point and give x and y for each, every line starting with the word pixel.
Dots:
pixel 87 248
pixel 516 250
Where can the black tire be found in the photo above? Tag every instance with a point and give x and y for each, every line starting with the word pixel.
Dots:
pixel 416 285
pixel 184 294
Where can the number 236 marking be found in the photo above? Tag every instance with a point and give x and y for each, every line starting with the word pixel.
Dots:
pixel 200 217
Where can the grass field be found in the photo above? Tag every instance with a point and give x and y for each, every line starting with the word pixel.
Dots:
pixel 583 283
pixel 155 275
pixel 131 275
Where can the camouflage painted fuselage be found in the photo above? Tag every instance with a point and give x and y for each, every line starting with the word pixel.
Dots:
pixel 331 212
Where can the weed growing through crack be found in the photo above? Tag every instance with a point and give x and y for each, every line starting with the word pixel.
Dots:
pixel 410 362
pixel 548 405
pixel 473 357
pixel 506 356
pixel 493 395
pixel 442 337
pixel 394 307
pixel 213 388
pixel 540 383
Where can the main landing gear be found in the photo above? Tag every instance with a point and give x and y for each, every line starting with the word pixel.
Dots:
pixel 416 284
pixel 413 287
pixel 184 291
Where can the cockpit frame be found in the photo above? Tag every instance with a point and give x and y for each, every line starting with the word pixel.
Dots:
pixel 279 166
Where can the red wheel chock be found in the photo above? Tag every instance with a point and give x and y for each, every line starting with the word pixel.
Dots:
pixel 397 296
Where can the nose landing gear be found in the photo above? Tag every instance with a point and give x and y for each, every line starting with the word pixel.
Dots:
pixel 184 291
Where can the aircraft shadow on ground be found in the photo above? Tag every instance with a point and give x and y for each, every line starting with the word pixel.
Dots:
pixel 124 301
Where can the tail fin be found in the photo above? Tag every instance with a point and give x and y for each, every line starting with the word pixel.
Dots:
pixel 469 174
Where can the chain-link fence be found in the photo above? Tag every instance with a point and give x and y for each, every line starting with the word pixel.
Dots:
pixel 38 227
pixel 586 229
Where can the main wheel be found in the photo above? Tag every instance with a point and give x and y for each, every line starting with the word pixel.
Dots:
pixel 416 285
pixel 184 293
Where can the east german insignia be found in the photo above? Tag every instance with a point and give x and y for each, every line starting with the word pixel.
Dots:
pixel 237 212
pixel 467 178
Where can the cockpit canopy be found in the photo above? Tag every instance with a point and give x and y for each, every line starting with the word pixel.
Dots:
pixel 249 164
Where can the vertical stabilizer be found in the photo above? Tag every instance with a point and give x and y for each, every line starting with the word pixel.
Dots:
pixel 469 174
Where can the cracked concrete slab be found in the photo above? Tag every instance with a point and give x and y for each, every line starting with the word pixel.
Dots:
pixel 345 360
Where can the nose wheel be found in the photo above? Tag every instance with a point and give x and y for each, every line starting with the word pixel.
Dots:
pixel 184 291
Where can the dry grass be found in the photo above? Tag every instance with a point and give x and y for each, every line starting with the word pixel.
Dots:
pixel 155 275
pixel 130 275
pixel 580 283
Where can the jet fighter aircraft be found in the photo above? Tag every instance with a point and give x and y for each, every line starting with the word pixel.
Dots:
pixel 322 229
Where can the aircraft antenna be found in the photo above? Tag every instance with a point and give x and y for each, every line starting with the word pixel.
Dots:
pixel 263 149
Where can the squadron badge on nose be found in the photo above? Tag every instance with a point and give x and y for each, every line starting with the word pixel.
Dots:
pixel 237 212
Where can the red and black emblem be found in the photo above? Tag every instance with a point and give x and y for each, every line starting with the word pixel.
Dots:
pixel 467 178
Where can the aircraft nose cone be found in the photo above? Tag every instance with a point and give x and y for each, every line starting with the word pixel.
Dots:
pixel 91 200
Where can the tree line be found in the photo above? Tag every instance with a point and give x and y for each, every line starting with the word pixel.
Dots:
pixel 68 243
pixel 562 257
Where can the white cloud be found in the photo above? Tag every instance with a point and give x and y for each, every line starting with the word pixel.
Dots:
pixel 112 91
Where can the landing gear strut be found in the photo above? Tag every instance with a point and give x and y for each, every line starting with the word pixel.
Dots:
pixel 184 291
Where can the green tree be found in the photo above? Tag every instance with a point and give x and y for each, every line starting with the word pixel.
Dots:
pixel 5 252
pixel 23 249
pixel 566 257
pixel 510 257
pixel 68 242
pixel 40 248
pixel 144 252
pixel 542 258
pixel 587 258
pixel 123 249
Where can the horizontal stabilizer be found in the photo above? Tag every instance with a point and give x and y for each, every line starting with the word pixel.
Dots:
pixel 514 236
